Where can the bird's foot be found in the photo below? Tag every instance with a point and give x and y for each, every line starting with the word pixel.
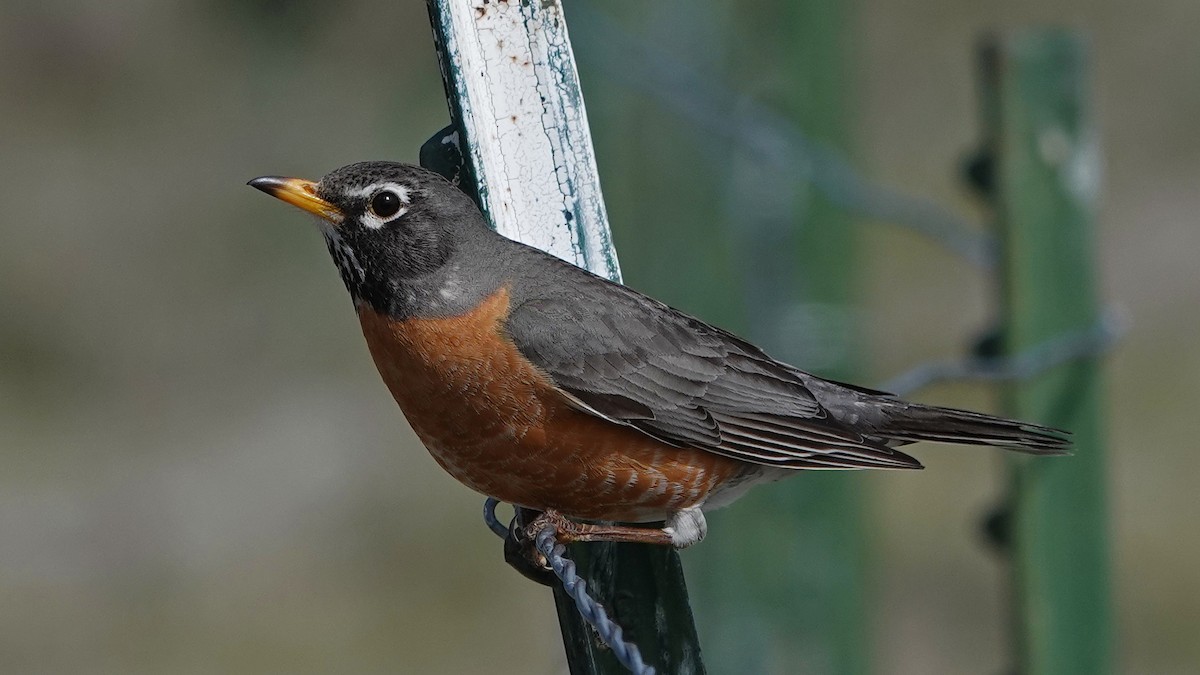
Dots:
pixel 520 550
pixel 682 529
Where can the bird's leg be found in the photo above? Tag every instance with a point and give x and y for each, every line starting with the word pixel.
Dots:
pixel 682 529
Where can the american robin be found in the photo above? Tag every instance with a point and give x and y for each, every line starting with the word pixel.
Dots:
pixel 548 387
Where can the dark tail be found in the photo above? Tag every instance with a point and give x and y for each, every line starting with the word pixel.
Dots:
pixel 914 422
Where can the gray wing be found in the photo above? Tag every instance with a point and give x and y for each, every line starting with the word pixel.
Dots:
pixel 635 361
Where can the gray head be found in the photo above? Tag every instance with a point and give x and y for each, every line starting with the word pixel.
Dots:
pixel 390 227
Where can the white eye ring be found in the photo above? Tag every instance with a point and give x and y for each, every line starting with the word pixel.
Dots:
pixel 372 220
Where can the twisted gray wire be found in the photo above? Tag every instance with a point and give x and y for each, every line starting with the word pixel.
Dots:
pixel 593 612
pixel 1073 346
pixel 489 517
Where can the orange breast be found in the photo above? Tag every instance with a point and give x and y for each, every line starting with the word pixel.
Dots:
pixel 498 424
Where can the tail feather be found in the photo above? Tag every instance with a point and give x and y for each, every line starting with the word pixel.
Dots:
pixel 910 422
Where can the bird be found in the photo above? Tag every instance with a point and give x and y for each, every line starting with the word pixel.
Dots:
pixel 538 383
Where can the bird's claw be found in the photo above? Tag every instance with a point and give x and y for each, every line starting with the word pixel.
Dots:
pixel 520 549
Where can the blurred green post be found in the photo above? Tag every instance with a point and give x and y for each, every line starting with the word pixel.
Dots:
pixel 1046 165
pixel 781 589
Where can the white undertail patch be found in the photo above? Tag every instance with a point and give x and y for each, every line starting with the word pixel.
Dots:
pixel 686 527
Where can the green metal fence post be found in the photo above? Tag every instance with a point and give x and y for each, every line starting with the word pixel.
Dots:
pixel 1046 180
pixel 519 120
pixel 784 590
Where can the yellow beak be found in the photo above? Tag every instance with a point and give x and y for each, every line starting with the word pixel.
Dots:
pixel 300 193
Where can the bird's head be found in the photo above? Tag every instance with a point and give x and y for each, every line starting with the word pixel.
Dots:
pixel 387 225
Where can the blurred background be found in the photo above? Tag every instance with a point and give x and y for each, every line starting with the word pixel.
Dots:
pixel 200 470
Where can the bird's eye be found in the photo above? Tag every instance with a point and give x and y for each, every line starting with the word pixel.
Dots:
pixel 385 204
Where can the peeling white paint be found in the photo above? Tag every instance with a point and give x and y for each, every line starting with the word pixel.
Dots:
pixel 525 126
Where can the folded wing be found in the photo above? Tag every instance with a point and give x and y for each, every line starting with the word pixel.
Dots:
pixel 634 361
